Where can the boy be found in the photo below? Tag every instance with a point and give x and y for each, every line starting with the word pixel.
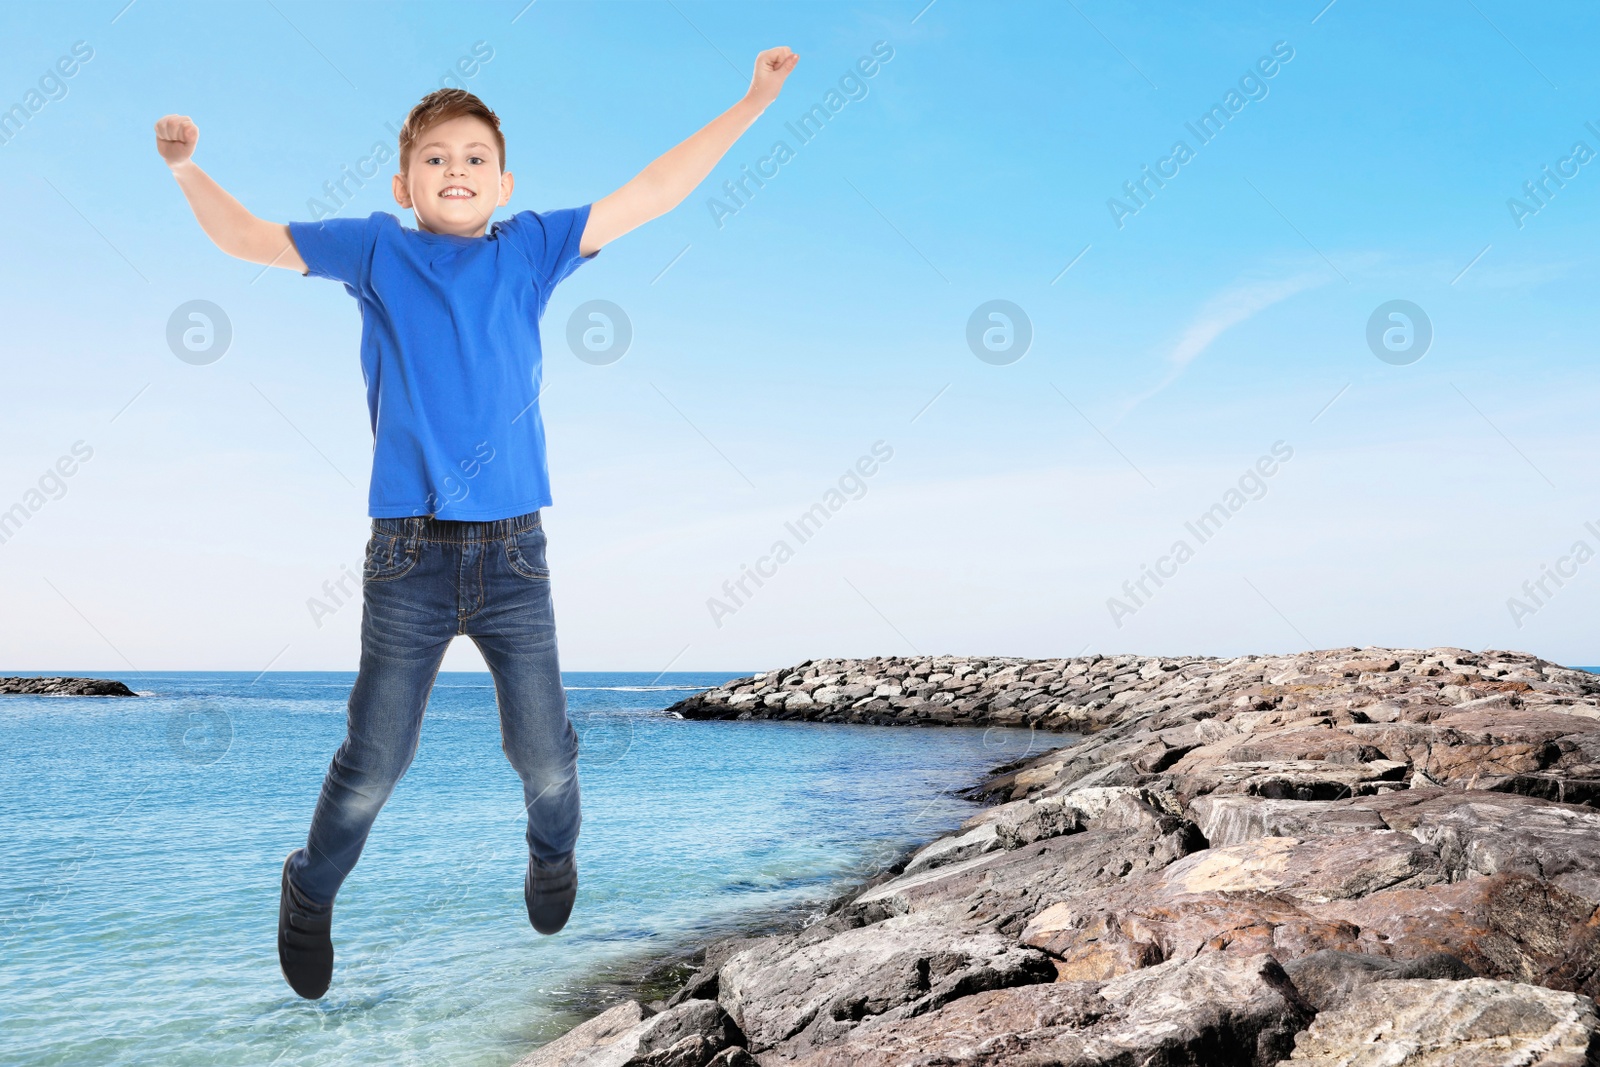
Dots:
pixel 451 357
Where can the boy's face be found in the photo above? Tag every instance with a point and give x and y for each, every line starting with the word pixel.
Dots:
pixel 453 181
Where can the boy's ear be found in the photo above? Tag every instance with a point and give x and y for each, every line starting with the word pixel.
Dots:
pixel 506 184
pixel 402 195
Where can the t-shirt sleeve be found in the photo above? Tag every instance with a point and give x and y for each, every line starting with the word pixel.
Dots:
pixel 340 249
pixel 550 241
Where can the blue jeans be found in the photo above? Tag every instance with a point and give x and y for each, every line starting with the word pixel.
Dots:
pixel 426 581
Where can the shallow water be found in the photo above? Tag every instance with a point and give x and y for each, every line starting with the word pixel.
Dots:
pixel 141 843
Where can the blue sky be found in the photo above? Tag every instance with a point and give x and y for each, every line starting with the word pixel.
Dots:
pixel 1169 355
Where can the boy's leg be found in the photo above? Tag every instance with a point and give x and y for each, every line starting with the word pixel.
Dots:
pixel 409 607
pixel 515 631
pixel 407 619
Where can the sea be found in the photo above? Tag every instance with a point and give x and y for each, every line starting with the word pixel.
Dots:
pixel 141 842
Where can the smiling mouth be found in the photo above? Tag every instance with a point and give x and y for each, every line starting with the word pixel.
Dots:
pixel 456 192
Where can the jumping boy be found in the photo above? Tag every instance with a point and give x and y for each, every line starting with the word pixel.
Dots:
pixel 450 353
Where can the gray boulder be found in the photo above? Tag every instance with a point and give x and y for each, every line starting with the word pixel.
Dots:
pixel 1477 1022
pixel 1327 978
pixel 807 994
pixel 687 1035
pixel 1217 1010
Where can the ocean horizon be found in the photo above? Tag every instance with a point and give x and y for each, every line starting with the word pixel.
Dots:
pixel 142 841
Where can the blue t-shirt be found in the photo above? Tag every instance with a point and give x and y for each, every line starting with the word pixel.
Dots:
pixel 450 353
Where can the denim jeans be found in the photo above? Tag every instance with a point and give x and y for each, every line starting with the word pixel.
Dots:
pixel 426 581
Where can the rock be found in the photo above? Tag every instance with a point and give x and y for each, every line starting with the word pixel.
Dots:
pixel 1248 898
pixel 1231 845
pixel 1326 978
pixel 1441 1023
pixel 1482 748
pixel 1023 822
pixel 975 842
pixel 702 985
pixel 1506 926
pixel 1370 666
pixel 1105 944
pixel 609 1037
pixel 804 991
pixel 1480 834
pixel 1291 779
pixel 1476 833
pixel 688 1035
pixel 1233 820
pixel 1561 787
pixel 1217 1010
pixel 1002 890
pixel 77 687
pixel 1295 743
pixel 1312 870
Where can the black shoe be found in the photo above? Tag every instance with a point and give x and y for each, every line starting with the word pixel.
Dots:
pixel 550 891
pixel 305 949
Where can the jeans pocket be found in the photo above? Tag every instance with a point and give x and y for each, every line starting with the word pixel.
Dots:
pixel 525 553
pixel 388 557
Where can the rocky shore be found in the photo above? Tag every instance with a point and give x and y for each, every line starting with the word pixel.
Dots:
pixel 64 687
pixel 1356 856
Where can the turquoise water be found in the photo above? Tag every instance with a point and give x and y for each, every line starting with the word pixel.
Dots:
pixel 141 842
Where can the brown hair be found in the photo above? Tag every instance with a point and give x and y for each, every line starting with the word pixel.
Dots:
pixel 441 105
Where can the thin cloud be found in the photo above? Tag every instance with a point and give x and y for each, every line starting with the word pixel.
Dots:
pixel 1221 313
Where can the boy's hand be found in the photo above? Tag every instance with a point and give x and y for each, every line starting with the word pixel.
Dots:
pixel 772 67
pixel 232 228
pixel 662 185
pixel 176 137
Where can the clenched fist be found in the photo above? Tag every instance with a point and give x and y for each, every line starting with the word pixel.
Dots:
pixel 176 137
pixel 772 67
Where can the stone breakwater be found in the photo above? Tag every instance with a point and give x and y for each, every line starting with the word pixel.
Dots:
pixel 1062 694
pixel 73 687
pixel 1345 857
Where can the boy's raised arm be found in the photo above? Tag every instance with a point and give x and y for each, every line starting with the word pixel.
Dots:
pixel 225 220
pixel 665 183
